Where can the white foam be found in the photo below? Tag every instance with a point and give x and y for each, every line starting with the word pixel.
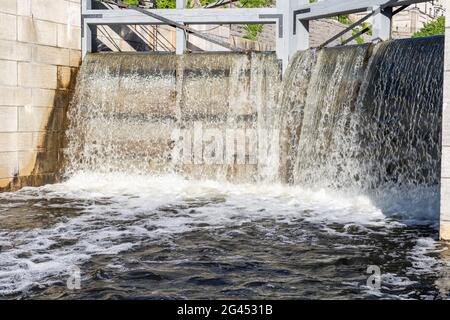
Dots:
pixel 114 207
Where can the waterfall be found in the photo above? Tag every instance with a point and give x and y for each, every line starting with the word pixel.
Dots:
pixel 367 119
pixel 197 115
pixel 363 118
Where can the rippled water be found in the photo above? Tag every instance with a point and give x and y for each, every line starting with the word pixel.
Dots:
pixel 167 237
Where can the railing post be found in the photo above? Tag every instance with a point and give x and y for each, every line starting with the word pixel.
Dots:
pixel 86 36
pixel 181 35
pixel 382 24
pixel 295 33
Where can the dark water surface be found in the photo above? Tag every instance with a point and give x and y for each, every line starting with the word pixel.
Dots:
pixel 206 240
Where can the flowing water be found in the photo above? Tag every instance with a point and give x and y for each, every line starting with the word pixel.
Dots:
pixel 206 176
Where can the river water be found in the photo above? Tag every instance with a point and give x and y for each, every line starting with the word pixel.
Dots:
pixel 206 176
pixel 167 237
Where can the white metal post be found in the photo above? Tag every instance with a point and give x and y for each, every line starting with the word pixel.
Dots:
pixel 181 35
pixel 86 36
pixel 295 33
pixel 382 24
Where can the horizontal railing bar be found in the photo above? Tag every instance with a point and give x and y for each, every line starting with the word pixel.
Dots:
pixel 187 16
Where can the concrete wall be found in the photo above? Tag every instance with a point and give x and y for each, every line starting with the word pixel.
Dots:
pixel 445 181
pixel 39 58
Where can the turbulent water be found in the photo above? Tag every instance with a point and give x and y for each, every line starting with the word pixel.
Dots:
pixel 206 176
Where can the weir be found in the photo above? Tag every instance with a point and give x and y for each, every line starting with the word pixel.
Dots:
pixel 193 101
pixel 364 117
pixel 341 119
pixel 292 19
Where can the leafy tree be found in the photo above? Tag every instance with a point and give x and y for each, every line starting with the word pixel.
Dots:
pixel 432 28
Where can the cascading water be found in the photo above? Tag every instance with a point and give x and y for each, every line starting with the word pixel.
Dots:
pixel 207 176
pixel 374 121
pixel 147 114
pixel 374 126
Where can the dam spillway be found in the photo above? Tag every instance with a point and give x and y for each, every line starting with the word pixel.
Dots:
pixel 147 203
pixel 353 117
pixel 131 112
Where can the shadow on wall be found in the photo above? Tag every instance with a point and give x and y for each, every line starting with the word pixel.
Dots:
pixel 44 167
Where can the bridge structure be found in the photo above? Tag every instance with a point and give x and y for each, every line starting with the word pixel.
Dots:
pixel 291 18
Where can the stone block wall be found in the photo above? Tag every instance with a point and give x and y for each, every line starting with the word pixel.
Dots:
pixel 445 173
pixel 39 58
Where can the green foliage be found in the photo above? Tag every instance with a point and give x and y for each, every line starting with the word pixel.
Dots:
pixel 166 4
pixel 170 4
pixel 432 28
pixel 205 2
pixel 360 39
pixel 367 25
pixel 255 3
pixel 343 19
pixel 252 31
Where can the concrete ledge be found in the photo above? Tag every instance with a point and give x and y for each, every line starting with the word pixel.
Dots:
pixel 445 230
pixel 4 183
pixel 32 180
